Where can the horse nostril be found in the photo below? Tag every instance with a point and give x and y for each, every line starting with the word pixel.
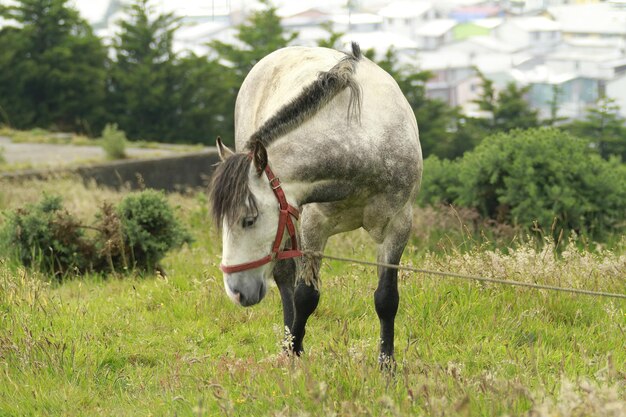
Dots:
pixel 241 298
pixel 237 296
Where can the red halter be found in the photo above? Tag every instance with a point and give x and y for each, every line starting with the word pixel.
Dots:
pixel 284 220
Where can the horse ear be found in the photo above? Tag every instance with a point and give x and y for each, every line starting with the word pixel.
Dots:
pixel 222 149
pixel 260 157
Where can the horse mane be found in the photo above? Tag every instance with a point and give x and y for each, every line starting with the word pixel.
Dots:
pixel 312 98
pixel 229 192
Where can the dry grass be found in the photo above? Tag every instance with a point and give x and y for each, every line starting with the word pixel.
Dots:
pixel 81 199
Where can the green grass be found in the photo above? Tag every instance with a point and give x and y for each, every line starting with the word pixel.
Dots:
pixel 176 345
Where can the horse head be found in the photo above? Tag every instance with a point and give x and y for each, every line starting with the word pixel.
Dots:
pixel 244 204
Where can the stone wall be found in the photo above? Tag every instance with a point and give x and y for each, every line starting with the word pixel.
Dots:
pixel 171 173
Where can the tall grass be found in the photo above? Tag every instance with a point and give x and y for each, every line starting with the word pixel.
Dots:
pixel 176 345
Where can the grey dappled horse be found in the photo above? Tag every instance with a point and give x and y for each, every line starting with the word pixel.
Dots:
pixel 327 137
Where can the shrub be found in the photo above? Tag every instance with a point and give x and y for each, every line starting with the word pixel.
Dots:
pixel 134 236
pixel 114 142
pixel 537 177
pixel 439 182
pixel 47 237
pixel 141 231
pixel 2 158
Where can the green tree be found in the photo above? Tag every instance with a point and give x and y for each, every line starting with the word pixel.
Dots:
pixel 507 109
pixel 155 94
pixel 441 126
pixel 513 111
pixel 334 38
pixel 487 101
pixel 143 77
pixel 52 68
pixel 603 128
pixel 203 100
pixel 260 35
pixel 554 103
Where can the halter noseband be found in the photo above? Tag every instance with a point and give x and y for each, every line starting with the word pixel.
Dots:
pixel 284 221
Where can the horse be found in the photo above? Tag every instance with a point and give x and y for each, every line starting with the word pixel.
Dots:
pixel 325 143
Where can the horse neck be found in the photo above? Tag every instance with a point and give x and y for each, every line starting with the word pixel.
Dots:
pixel 304 178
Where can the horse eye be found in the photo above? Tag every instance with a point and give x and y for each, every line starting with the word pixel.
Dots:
pixel 248 222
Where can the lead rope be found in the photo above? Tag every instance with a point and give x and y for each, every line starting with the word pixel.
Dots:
pixel 468 277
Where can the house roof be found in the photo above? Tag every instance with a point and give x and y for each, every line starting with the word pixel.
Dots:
pixel 459 3
pixel 298 9
pixel 310 35
pixel 488 22
pixel 357 19
pixel 469 13
pixel 405 9
pixel 437 27
pixel 91 10
pixel 536 23
pixel 380 41
pixel 594 42
pixel 599 18
pixel 542 75
pixel 487 63
pixel 586 55
pixel 494 44
pixel 200 32
pixel 481 44
pixel 196 8
pixel 614 63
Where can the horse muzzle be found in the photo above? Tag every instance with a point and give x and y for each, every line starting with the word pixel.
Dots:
pixel 245 289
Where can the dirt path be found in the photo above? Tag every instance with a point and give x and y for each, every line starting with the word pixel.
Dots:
pixel 39 155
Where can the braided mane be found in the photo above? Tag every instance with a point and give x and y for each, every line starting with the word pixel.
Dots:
pixel 312 98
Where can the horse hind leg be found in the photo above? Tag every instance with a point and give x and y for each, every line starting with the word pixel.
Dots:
pixel 386 296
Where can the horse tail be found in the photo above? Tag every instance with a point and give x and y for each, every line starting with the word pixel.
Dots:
pixel 312 98
pixel 354 105
pixel 340 77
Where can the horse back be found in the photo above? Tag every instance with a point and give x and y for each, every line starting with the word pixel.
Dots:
pixel 378 151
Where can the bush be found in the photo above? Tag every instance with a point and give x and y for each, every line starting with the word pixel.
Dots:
pixel 439 182
pixel 537 177
pixel 134 236
pixel 114 142
pixel 141 231
pixel 2 158
pixel 47 237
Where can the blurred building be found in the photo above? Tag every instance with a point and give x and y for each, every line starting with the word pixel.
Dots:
pixel 575 49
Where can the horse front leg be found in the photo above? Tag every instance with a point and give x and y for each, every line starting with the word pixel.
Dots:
pixel 386 296
pixel 285 278
pixel 307 295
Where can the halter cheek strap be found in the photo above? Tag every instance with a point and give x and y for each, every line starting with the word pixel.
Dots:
pixel 285 221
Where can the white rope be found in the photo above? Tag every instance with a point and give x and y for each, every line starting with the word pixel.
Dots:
pixel 469 277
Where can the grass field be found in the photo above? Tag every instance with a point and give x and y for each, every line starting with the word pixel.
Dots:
pixel 176 345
